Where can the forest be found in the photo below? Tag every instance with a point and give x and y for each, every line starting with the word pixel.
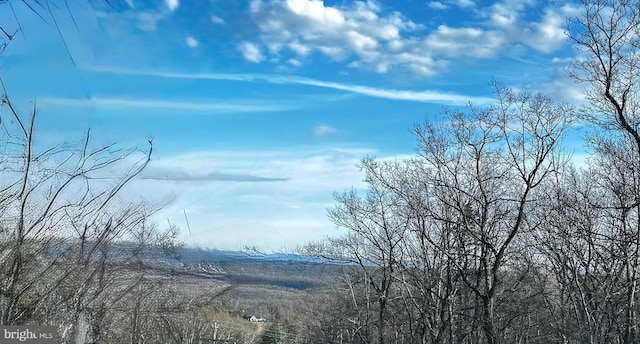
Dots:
pixel 489 234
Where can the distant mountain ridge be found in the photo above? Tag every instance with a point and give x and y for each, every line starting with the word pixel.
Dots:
pixel 191 254
pixel 286 270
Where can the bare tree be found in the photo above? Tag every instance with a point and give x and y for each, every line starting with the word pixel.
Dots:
pixel 486 168
pixel 374 246
pixel 607 33
pixel 424 280
pixel 71 246
pixel 61 218
pixel 442 240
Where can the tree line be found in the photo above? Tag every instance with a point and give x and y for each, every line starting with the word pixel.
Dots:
pixel 73 249
pixel 490 234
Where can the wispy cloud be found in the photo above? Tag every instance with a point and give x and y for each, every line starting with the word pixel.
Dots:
pixel 230 213
pixel 426 96
pixel 192 42
pixel 465 3
pixel 324 130
pixel 303 168
pixel 238 106
pixel 172 5
pixel 217 20
pixel 251 52
pixel 437 5
pixel 177 176
pixel 410 95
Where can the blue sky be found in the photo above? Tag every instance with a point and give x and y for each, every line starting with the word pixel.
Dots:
pixel 259 110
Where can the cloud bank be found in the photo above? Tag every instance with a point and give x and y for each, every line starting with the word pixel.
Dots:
pixel 367 36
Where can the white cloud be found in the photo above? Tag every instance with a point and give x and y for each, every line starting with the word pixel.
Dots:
pixel 299 49
pixel 549 34
pixel 255 6
pixel 192 42
pixel 324 130
pixel 172 5
pixel 470 42
pixel 361 42
pixel 437 5
pixel 294 62
pixel 545 35
pixel 336 53
pixel 251 52
pixel 217 20
pixel 360 32
pixel 465 3
pixel 316 11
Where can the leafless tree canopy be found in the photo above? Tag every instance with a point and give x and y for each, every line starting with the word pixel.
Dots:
pixel 71 246
pixel 489 235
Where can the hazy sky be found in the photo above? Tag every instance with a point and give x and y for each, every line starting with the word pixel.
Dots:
pixel 260 110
